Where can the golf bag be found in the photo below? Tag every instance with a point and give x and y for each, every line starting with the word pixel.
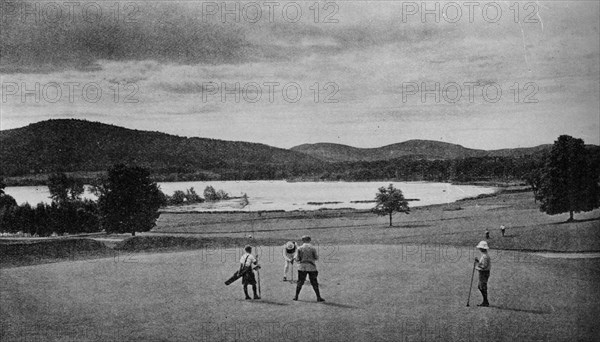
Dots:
pixel 239 273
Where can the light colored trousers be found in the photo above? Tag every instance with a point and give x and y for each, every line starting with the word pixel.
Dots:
pixel 286 268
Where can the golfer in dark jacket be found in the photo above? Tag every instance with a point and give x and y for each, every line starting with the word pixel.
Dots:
pixel 306 258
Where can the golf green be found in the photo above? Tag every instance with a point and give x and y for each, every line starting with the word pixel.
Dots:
pixel 372 292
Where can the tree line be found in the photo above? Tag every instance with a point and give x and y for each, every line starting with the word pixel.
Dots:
pixel 398 169
pixel 564 180
pixel 471 169
pixel 128 202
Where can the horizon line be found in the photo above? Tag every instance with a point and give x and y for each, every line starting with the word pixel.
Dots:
pixel 289 148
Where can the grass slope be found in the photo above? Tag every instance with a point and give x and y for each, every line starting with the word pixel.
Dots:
pixel 527 227
pixel 408 282
pixel 373 292
pixel 19 252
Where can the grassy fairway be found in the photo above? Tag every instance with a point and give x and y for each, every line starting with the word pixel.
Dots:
pixel 405 283
pixel 527 227
pixel 373 292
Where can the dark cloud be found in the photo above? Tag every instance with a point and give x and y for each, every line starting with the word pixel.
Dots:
pixel 162 33
pixel 170 32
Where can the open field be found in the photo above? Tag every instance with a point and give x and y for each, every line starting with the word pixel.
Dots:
pixel 527 227
pixel 373 293
pixel 405 283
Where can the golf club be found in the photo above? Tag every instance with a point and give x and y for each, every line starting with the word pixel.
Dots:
pixel 258 276
pixel 471 284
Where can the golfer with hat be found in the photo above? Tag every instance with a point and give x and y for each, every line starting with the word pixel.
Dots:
pixel 483 265
pixel 306 257
pixel 289 250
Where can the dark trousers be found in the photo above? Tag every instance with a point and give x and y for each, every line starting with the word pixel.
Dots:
pixel 482 286
pixel 253 290
pixel 312 275
pixel 249 279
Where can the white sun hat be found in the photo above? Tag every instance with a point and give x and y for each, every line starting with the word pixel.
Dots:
pixel 483 245
pixel 289 245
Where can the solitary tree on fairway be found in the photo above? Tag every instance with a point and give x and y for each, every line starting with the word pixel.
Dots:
pixel 390 200
pixel 568 182
pixel 128 200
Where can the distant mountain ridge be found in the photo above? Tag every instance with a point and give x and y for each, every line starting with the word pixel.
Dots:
pixel 69 145
pixel 424 149
pixel 78 145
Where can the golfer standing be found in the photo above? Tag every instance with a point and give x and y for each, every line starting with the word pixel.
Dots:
pixel 248 264
pixel 306 257
pixel 289 251
pixel 483 265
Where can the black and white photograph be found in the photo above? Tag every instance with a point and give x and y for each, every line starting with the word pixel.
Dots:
pixel 299 170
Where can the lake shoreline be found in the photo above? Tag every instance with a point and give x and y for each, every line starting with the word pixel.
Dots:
pixel 431 231
pixel 450 206
pixel 89 177
pixel 268 196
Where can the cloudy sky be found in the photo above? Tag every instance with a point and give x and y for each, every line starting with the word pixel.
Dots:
pixel 489 75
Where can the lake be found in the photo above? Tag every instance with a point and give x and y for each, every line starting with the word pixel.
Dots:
pixel 282 195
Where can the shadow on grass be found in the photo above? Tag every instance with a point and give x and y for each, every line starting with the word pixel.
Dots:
pixel 337 305
pixel 538 312
pixel 266 301
pixel 262 301
pixel 307 283
pixel 577 221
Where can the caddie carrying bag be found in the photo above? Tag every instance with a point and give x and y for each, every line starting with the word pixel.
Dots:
pixel 239 273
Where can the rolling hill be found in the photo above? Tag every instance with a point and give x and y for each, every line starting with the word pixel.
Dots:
pixel 69 145
pixel 423 149
pixel 79 145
